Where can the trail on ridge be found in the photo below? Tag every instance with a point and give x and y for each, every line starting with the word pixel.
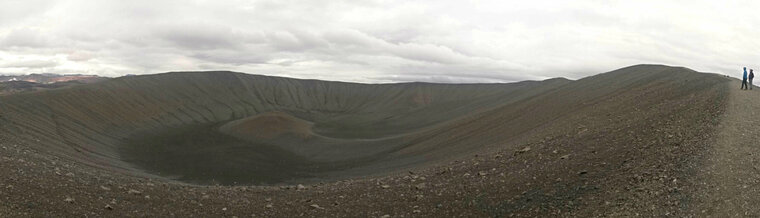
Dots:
pixel 732 173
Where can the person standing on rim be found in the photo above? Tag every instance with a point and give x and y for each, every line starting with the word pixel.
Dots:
pixel 744 79
pixel 751 76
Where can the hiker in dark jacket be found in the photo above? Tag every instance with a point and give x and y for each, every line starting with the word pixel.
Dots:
pixel 744 79
pixel 751 76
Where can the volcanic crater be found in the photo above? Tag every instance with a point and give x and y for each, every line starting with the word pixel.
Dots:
pixel 233 128
pixel 624 143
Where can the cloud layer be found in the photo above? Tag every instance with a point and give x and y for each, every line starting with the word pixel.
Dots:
pixel 376 41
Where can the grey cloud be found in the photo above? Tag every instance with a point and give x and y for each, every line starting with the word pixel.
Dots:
pixel 200 36
pixel 20 11
pixel 30 64
pixel 295 41
pixel 80 56
pixel 233 58
pixel 25 37
pixel 377 41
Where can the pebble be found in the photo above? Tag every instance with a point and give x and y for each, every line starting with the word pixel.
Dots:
pixel 300 187
pixel 526 149
pixel 418 197
pixel 316 206
pixel 420 186
pixel 69 200
pixel 134 192
pixel 109 207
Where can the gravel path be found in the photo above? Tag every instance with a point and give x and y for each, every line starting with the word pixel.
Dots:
pixel 732 175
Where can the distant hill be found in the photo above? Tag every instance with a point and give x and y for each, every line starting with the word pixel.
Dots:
pixel 35 82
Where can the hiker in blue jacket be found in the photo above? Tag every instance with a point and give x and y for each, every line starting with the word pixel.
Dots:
pixel 751 76
pixel 744 79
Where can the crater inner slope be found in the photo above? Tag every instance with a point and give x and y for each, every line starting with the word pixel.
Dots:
pixel 233 128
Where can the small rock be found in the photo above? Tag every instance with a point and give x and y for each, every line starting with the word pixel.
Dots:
pixel 526 149
pixel 385 186
pixel 134 192
pixel 420 186
pixel 224 209
pixel 300 187
pixel 268 199
pixel 109 207
pixel 69 200
pixel 497 156
pixel 385 216
pixel 269 206
pixel 418 197
pixel 105 188
pixel 315 206
pixel 417 211
pixel 565 156
pixel 482 173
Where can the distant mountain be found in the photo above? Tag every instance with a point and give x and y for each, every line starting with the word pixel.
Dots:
pixel 48 78
pixel 14 87
pixel 34 82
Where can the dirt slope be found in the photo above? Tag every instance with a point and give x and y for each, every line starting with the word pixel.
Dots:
pixel 624 143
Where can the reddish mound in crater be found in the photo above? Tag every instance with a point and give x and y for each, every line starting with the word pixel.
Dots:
pixel 267 126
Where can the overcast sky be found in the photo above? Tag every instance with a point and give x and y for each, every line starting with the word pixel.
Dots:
pixel 377 41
